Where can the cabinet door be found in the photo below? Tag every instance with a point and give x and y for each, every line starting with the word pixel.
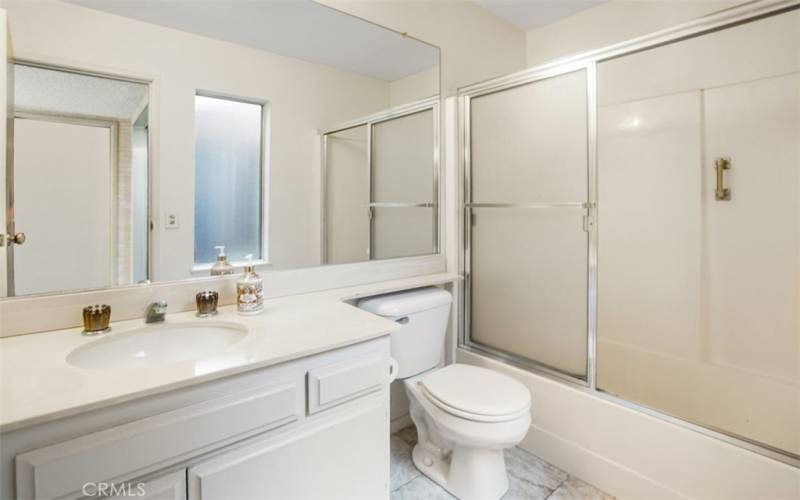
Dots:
pixel 171 486
pixel 344 455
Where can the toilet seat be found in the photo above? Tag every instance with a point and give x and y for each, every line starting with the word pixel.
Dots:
pixel 476 394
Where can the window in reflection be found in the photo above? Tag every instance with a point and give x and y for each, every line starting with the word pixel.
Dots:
pixel 229 201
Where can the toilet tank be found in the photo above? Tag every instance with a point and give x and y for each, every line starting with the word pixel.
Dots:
pixel 423 313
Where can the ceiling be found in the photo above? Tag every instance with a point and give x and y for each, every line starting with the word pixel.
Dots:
pixel 530 14
pixel 63 93
pixel 299 29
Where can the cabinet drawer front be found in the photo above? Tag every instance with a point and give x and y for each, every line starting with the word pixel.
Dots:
pixel 306 463
pixel 168 487
pixel 334 384
pixel 139 447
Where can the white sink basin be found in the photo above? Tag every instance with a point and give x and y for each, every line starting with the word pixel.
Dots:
pixel 158 344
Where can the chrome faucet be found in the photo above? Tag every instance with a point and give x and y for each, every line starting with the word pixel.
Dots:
pixel 155 312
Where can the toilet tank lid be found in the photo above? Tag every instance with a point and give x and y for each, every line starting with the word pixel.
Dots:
pixel 408 302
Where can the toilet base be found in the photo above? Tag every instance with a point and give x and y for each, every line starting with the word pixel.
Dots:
pixel 466 473
pixel 464 456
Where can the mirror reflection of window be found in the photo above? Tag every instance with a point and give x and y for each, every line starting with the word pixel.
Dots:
pixel 80 148
pixel 228 201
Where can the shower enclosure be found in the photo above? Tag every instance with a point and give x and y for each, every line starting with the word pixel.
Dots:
pixel 380 173
pixel 632 224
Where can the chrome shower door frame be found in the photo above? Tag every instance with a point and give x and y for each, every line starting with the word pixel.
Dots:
pixel 728 18
pixel 588 206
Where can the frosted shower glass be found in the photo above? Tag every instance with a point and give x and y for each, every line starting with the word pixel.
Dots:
pixel 346 196
pixel 402 232
pixel 529 143
pixel 529 285
pixel 528 266
pixel 227 203
pixel 402 159
pixel 402 172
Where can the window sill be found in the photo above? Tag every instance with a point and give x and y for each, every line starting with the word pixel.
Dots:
pixel 238 267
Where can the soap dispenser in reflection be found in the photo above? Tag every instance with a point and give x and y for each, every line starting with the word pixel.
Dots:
pixel 221 267
pixel 250 290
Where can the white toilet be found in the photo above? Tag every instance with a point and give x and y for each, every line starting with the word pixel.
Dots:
pixel 465 415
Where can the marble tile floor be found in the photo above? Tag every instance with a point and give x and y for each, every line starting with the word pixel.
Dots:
pixel 530 477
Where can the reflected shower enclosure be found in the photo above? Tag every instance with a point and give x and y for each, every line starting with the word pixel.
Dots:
pixel 380 185
pixel 632 226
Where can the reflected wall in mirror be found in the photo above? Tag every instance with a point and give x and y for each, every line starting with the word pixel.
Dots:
pixel 283 130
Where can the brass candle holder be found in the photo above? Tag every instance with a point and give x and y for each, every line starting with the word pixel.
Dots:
pixel 96 319
pixel 206 303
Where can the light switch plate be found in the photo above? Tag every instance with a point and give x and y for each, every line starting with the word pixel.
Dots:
pixel 171 221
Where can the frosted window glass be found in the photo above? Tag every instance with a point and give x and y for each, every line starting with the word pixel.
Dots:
pixel 227 203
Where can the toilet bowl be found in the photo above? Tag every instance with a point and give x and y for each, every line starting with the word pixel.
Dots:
pixel 465 415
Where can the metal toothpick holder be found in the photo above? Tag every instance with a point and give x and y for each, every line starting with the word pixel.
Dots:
pixel 96 319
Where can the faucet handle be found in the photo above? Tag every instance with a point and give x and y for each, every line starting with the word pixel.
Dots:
pixel 96 318
pixel 155 311
pixel 207 303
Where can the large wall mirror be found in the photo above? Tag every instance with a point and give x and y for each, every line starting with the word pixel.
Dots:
pixel 146 135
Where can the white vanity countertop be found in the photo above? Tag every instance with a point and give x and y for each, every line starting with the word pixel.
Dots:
pixel 39 385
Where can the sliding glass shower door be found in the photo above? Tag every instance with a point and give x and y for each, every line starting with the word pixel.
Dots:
pixel 699 246
pixel 528 222
pixel 659 265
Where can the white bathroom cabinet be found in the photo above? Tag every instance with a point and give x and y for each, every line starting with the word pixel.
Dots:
pixel 312 427
pixel 171 486
pixel 338 457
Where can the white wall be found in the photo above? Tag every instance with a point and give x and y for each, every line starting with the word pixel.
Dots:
pixel 303 97
pixel 414 87
pixel 613 22
pixel 475 44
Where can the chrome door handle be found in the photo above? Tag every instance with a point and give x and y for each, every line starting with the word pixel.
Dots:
pixel 721 193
